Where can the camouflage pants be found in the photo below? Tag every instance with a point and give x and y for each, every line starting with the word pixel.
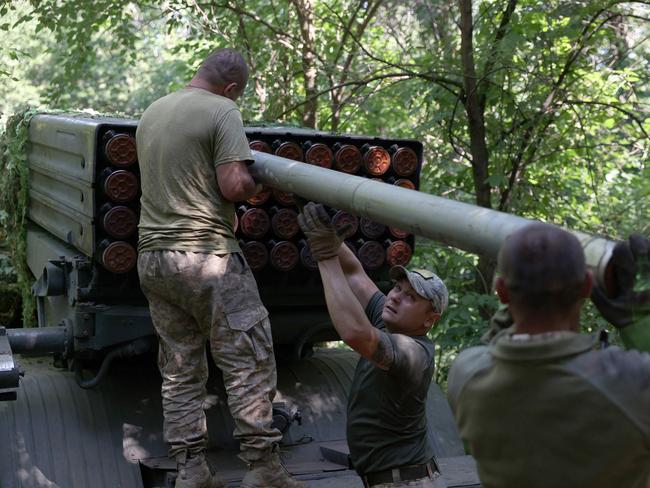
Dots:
pixel 195 298
pixel 436 482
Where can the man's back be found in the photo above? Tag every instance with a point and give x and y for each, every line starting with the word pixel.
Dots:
pixel 550 411
pixel 181 139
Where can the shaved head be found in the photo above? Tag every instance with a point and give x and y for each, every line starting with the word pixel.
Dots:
pixel 224 66
pixel 543 268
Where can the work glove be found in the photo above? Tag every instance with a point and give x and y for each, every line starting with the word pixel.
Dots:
pixel 500 321
pixel 323 239
pixel 631 261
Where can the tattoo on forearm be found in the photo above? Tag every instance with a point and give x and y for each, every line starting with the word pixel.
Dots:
pixel 383 356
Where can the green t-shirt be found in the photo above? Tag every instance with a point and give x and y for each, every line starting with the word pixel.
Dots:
pixel 387 424
pixel 181 139
pixel 551 411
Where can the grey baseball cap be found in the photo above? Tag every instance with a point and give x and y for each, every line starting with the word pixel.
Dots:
pixel 426 284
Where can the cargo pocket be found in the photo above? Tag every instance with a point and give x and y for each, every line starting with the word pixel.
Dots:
pixel 243 319
pixel 250 332
pixel 260 336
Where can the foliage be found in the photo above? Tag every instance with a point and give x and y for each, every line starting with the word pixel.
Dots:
pixel 14 186
pixel 555 127
pixel 10 295
pixel 464 321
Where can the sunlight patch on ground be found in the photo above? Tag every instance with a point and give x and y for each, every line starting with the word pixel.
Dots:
pixel 132 451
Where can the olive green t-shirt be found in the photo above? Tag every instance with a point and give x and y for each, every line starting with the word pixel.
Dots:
pixel 181 139
pixel 387 422
pixel 551 411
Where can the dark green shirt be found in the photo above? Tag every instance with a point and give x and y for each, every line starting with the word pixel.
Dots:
pixel 551 411
pixel 387 424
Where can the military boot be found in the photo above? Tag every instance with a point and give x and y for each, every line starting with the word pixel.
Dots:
pixel 195 473
pixel 269 473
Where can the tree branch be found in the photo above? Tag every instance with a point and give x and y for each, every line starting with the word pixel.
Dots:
pixel 406 67
pixel 547 105
pixel 638 121
pixel 494 51
pixel 590 161
pixel 347 83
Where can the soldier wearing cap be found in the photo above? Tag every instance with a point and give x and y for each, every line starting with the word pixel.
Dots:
pixel 386 422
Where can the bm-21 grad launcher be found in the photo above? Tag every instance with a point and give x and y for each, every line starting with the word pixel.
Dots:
pixel 95 419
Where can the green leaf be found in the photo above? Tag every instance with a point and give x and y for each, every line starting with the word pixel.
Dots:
pixel 497 179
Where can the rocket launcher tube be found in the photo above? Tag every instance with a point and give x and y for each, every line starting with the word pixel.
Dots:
pixel 468 227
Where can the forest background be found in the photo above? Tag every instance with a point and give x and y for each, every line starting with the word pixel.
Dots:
pixel 537 108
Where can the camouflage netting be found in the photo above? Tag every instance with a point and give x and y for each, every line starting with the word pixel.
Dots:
pixel 14 182
pixel 14 199
pixel 10 308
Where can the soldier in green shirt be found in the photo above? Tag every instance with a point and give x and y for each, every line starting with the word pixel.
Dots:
pixel 193 156
pixel 386 422
pixel 542 406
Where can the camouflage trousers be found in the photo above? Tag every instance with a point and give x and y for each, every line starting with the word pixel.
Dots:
pixel 436 482
pixel 195 298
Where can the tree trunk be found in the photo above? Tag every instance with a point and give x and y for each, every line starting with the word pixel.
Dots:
pixel 476 127
pixel 305 10
pixel 476 124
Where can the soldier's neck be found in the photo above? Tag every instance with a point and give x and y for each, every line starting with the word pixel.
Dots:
pixel 540 322
pixel 198 82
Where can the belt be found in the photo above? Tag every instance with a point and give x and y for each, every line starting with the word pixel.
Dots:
pixel 400 473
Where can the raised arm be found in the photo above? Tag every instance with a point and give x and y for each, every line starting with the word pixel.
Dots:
pixel 347 313
pixel 347 287
pixel 231 157
pixel 325 243
pixel 358 281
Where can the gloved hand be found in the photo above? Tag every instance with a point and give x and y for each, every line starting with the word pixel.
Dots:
pixel 500 321
pixel 631 261
pixel 324 241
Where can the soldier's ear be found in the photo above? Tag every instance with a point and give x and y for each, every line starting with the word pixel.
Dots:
pixel 232 91
pixel 431 320
pixel 587 285
pixel 502 290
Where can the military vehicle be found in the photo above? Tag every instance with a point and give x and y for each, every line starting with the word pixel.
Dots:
pixel 87 412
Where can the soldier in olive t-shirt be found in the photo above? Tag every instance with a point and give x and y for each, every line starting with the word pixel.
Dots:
pixel 183 137
pixel 386 426
pixel 193 156
pixel 387 408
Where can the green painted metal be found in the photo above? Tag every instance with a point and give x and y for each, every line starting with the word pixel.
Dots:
pixel 42 247
pixel 62 157
pixel 468 227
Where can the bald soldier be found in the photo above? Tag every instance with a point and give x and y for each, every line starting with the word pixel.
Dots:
pixel 542 406
pixel 193 156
